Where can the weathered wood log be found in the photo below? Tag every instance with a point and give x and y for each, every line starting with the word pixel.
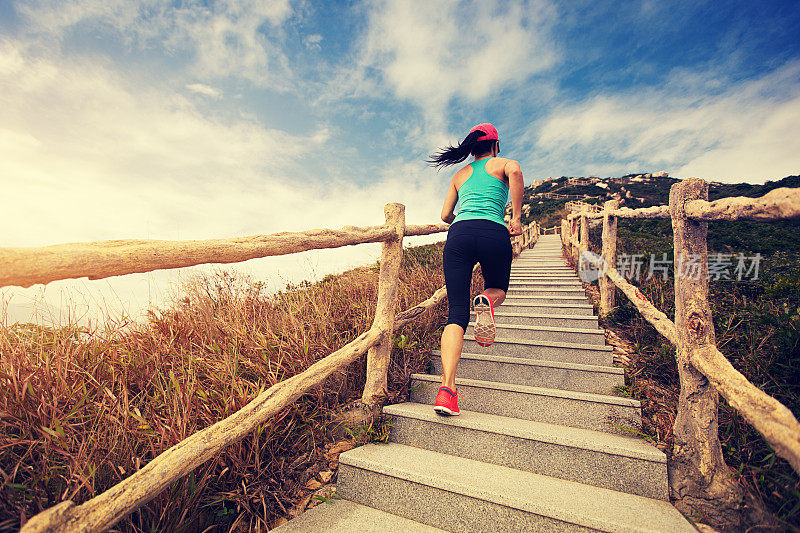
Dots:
pixel 573 240
pixel 778 204
pixel 22 266
pixel 379 355
pixel 769 416
pixel 425 229
pixel 699 478
pixel 584 237
pixel 775 205
pixel 106 509
pixel 657 211
pixel 659 320
pixel 609 256
pixel 583 241
pixel 410 314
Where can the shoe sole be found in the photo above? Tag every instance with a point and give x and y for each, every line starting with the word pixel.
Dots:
pixel 444 411
pixel 485 328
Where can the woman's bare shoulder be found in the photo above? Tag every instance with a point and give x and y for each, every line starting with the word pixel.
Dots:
pixel 500 165
pixel 462 175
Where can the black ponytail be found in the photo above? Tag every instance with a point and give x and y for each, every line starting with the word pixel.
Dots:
pixel 456 154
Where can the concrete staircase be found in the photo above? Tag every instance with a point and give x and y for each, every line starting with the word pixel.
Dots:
pixel 540 444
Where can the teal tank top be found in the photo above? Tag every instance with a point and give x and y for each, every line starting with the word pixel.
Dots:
pixel 482 196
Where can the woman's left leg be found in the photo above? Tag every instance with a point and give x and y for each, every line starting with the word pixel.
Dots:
pixel 452 344
pixel 458 260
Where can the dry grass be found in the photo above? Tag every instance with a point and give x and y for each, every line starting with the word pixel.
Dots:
pixel 79 413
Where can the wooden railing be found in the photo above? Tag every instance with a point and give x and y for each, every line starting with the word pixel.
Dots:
pixel 550 231
pixel 704 372
pixel 582 206
pixel 557 196
pixel 27 266
pixel 530 234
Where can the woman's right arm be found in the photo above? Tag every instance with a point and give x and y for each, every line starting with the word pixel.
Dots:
pixel 450 200
pixel 516 187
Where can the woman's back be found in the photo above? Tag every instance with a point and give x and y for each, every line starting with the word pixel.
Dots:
pixel 481 194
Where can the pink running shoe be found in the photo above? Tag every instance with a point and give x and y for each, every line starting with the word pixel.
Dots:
pixel 485 328
pixel 446 402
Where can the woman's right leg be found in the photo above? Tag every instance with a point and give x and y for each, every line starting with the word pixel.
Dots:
pixel 494 255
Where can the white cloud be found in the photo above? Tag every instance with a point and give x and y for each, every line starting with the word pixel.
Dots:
pixel 87 154
pixel 432 52
pixel 312 41
pixel 224 38
pixel 746 131
pixel 204 90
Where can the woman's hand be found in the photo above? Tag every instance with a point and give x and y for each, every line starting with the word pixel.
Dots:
pixel 514 227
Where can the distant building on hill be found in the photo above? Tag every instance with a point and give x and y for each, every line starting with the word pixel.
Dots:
pixel 584 181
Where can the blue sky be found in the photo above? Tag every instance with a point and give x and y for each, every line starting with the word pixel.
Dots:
pixel 191 120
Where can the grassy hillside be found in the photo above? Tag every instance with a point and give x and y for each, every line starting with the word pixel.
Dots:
pixel 80 414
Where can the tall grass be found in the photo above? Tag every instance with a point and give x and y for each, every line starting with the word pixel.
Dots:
pixel 81 412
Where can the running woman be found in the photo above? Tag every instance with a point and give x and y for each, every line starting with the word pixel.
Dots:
pixel 478 234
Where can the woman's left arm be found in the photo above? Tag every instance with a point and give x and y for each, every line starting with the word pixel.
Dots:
pixel 450 202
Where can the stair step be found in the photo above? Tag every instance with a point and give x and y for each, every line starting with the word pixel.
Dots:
pixel 511 305
pixel 534 373
pixel 554 269
pixel 344 516
pixel 502 316
pixel 460 494
pixel 541 262
pixel 599 412
pixel 625 464
pixel 546 333
pixel 543 269
pixel 546 300
pixel 544 278
pixel 577 292
pixel 567 352
pixel 573 284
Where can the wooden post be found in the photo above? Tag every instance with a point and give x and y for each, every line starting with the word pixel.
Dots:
pixel 584 242
pixel 573 232
pixel 609 257
pixel 699 478
pixel 378 356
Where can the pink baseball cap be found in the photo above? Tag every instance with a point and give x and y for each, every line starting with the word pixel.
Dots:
pixel 489 130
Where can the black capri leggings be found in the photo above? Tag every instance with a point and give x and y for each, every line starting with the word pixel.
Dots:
pixel 469 242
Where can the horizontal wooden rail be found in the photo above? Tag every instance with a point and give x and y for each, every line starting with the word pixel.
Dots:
pixel 659 320
pixel 97 260
pixel 782 203
pixel 777 204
